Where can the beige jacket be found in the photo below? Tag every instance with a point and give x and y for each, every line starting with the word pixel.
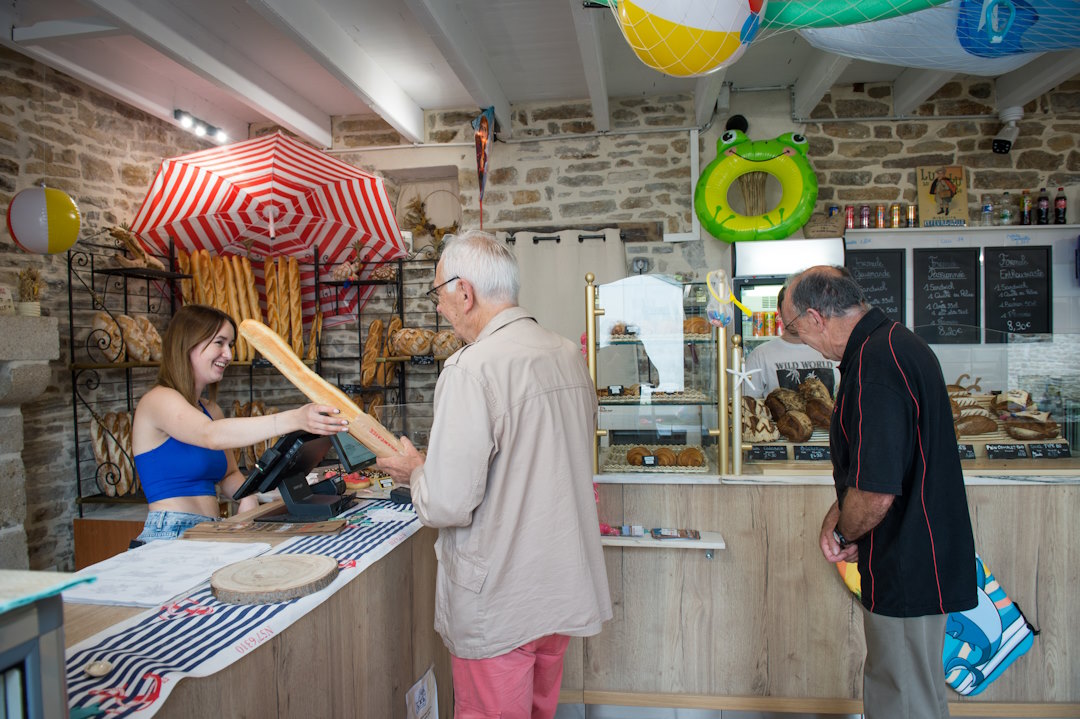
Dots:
pixel 508 482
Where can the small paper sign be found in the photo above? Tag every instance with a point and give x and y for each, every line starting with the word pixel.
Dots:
pixel 967 451
pixel 422 699
pixel 422 360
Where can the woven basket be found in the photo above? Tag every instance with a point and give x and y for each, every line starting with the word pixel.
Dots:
pixel 821 226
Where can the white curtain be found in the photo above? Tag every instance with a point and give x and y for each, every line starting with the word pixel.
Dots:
pixel 553 274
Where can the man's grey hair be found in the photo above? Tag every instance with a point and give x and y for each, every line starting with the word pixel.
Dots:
pixel 832 291
pixel 488 265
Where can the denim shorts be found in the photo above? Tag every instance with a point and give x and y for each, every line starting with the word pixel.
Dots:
pixel 170 525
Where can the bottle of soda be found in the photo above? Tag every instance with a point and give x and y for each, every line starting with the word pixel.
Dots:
pixel 1006 212
pixel 1042 208
pixel 1025 207
pixel 1059 207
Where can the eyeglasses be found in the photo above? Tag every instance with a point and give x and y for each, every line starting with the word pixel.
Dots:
pixel 433 293
pixel 791 324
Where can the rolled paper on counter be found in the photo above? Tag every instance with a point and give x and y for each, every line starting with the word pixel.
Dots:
pixel 370 432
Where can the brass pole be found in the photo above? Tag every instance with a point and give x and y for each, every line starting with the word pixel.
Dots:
pixel 591 313
pixel 736 407
pixel 721 432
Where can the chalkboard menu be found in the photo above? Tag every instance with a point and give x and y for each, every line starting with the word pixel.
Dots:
pixel 1017 291
pixel 946 295
pixel 766 452
pixel 812 453
pixel 880 273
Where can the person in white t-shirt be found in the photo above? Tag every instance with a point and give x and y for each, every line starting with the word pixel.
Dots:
pixel 786 362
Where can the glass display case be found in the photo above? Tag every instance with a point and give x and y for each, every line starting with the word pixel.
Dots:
pixel 655 361
pixel 1014 400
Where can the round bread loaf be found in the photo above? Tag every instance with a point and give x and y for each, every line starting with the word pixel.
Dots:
pixel 445 343
pixel 412 342
pixel 782 400
pixel 795 425
pixel 665 457
pixel 691 457
pixel 635 454
pixel 819 411
pixel 813 387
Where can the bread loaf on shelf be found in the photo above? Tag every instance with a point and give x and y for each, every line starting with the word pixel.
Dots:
pixel 99 438
pixel 296 316
pixel 270 282
pixel 782 400
pixel 757 424
pixel 1026 430
pixel 252 291
pixel 795 425
pixel 413 342
pixel 368 431
pixel 971 424
pixel 390 369
pixel 313 336
pixel 152 337
pixel 183 266
pixel 138 349
pixel 445 343
pixel 107 337
pixel 283 294
pixel 368 366
pixel 691 457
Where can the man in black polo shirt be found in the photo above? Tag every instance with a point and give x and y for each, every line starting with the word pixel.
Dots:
pixel 901 509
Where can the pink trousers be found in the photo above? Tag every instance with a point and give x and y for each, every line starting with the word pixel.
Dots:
pixel 521 684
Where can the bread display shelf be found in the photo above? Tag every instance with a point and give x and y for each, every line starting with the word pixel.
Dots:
pixel 615 462
pixel 142 273
pixel 635 340
pixel 691 396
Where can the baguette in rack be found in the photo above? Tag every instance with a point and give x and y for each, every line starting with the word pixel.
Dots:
pixel 296 316
pixel 271 284
pixel 369 432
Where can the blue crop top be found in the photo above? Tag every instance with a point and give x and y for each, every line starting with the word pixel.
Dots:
pixel 176 469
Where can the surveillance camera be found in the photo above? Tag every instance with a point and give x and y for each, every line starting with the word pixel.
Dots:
pixel 1003 141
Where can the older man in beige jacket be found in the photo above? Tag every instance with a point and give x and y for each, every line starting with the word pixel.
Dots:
pixel 508 482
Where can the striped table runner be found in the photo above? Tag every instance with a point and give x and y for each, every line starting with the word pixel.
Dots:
pixel 196 635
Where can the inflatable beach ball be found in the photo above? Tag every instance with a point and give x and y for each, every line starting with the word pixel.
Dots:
pixel 685 38
pixel 43 220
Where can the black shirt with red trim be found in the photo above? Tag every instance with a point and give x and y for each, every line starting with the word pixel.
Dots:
pixel 892 432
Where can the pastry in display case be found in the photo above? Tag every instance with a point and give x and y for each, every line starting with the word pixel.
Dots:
pixel 655 359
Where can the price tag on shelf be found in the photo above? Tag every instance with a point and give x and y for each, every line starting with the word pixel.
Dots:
pixel 812 453
pixel 1050 450
pixel 1006 451
pixel 768 452
pixel 967 451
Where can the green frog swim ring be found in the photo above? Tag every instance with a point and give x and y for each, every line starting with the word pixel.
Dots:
pixel 736 155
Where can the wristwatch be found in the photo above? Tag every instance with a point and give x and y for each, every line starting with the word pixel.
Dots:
pixel 840 539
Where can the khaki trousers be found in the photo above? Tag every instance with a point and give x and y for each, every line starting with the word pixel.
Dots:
pixel 903 677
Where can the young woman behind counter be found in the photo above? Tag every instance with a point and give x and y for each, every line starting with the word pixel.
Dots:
pixel 180 437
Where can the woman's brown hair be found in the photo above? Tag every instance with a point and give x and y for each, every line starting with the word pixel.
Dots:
pixel 190 326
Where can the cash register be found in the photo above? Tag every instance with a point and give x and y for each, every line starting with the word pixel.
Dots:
pixel 285 467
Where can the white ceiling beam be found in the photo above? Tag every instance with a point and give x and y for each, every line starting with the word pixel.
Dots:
pixel 816 79
pixel 592 62
pixel 165 28
pixel 706 92
pixel 1021 86
pixel 912 87
pixel 323 38
pixel 464 52
pixel 63 30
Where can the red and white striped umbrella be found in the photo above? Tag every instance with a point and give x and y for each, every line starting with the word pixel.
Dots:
pixel 273 196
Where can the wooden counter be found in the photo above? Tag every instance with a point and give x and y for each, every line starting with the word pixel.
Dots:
pixel 356 654
pixel 767 624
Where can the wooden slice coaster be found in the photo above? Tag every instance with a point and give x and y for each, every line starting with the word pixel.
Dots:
pixel 273 578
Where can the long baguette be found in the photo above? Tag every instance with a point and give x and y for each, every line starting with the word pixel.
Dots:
pixel 371 433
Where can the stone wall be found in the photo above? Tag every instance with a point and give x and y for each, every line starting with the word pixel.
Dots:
pixel 555 172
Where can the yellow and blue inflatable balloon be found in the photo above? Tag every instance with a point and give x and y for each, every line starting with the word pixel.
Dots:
pixel 685 38
pixel 43 220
